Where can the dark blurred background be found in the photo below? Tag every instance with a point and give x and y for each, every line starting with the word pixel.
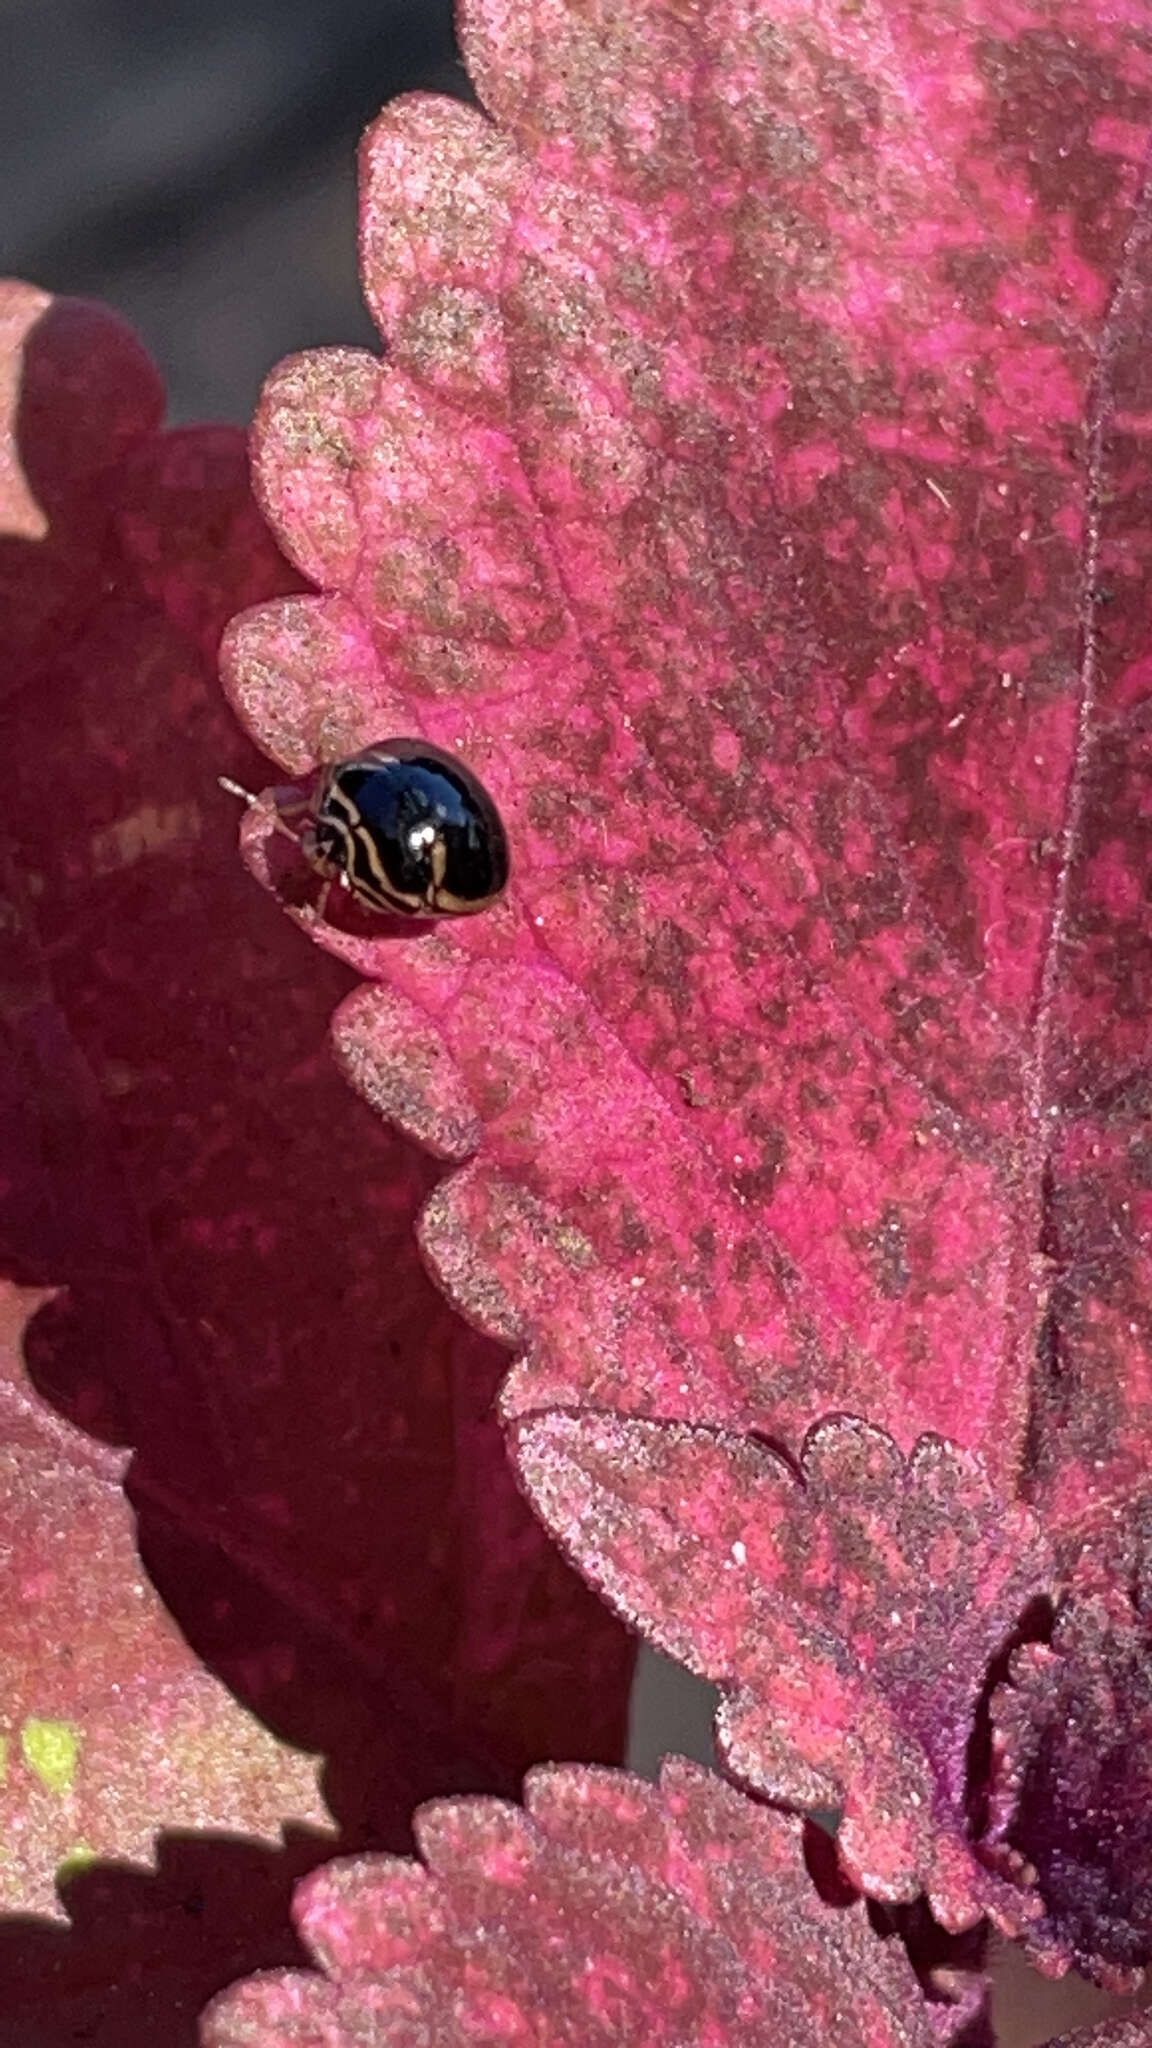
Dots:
pixel 193 164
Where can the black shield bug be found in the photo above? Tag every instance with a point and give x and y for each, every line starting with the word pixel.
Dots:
pixel 403 827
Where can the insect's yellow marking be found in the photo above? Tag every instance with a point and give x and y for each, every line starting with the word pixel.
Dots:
pixel 50 1750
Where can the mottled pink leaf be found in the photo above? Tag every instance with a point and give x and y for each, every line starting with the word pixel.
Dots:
pixel 609 1911
pixel 755 434
pixel 1125 2033
pixel 756 491
pixel 110 1722
pixel 850 1610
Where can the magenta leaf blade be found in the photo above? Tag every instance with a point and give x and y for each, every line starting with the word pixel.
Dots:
pixel 607 1911
pixel 755 491
pixel 1124 2033
pixel 850 1612
pixel 739 507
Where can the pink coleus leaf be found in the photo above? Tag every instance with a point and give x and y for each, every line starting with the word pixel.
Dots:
pixel 109 1719
pixel 1132 2032
pixel 755 490
pixel 609 1910
pixel 756 438
pixel 850 1610
pixel 323 1490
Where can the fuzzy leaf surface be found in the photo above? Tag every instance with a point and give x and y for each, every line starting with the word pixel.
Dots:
pixel 1124 2033
pixel 606 1911
pixel 1071 1787
pixel 849 1610
pixel 755 492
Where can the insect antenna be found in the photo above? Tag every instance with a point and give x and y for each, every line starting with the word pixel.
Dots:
pixel 234 789
pixel 280 811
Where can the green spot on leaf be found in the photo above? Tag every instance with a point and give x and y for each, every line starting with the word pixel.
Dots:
pixel 79 1858
pixel 50 1750
pixel 4 1748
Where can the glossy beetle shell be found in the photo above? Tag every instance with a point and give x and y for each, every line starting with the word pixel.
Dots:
pixel 408 829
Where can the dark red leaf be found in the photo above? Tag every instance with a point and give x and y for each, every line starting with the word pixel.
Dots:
pixel 323 1491
pixel 609 1911
pixel 77 395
